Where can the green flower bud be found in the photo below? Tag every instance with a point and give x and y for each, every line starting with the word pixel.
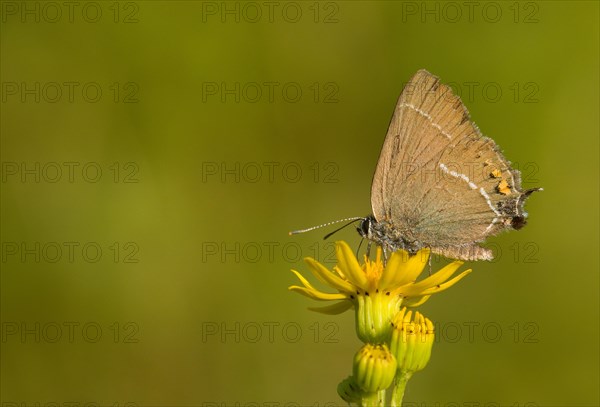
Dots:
pixel 411 341
pixel 374 368
pixel 349 390
pixel 374 313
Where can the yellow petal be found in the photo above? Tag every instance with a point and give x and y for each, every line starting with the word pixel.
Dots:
pixel 316 295
pixel 401 270
pixel 447 284
pixel 304 281
pixel 349 265
pixel 392 271
pixel 434 279
pixel 415 301
pixel 327 277
pixel 333 309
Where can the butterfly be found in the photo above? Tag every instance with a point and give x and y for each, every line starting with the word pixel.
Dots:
pixel 439 183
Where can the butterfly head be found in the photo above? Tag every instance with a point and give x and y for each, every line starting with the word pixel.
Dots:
pixel 365 228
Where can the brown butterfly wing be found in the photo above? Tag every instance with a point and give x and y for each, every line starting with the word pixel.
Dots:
pixel 438 180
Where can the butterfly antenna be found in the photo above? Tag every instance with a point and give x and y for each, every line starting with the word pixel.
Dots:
pixel 338 229
pixel 295 232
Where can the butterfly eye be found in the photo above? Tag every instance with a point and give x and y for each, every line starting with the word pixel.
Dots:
pixel 363 228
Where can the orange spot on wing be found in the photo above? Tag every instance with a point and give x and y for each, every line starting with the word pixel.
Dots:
pixel 496 173
pixel 503 187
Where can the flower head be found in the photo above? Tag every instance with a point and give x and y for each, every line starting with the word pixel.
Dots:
pixel 411 341
pixel 376 291
pixel 396 279
pixel 374 368
pixel 349 390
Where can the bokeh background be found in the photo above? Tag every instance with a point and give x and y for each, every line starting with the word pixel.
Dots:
pixel 145 255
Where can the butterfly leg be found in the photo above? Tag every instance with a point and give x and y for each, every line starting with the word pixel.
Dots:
pixel 359 245
pixel 430 265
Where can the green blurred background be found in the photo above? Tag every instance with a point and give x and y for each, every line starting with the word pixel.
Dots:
pixel 174 291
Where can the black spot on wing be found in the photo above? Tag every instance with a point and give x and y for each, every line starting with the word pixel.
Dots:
pixel 518 222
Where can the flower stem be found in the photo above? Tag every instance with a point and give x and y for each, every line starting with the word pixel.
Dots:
pixel 399 386
pixel 369 400
pixel 376 399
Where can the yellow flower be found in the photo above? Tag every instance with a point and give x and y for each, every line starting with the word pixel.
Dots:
pixel 374 290
pixel 396 279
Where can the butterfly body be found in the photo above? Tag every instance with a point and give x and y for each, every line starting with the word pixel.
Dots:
pixel 387 235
